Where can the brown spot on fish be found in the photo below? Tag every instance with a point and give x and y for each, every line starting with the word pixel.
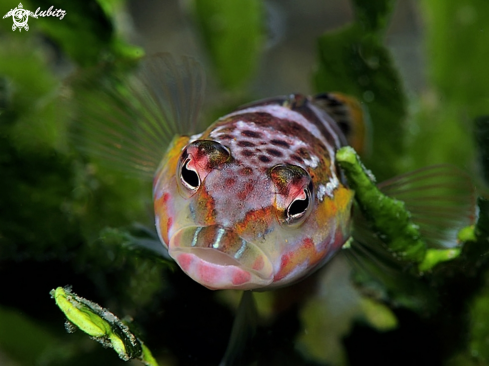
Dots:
pixel 230 181
pixel 226 137
pixel 304 153
pixel 247 153
pixel 297 158
pixel 282 143
pixel 264 159
pixel 252 134
pixel 296 127
pixel 248 188
pixel 275 152
pixel 246 144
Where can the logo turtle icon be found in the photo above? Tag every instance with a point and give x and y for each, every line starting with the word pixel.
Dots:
pixel 20 17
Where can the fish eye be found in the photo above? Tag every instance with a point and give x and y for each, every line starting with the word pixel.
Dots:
pixel 189 177
pixel 298 208
pixel 198 159
pixel 293 192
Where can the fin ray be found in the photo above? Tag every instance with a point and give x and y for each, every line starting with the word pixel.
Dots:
pixel 127 113
pixel 244 328
pixel 440 198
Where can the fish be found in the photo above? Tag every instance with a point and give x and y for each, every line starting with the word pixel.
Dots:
pixel 256 200
pixel 252 201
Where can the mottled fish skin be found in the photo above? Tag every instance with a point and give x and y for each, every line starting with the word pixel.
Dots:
pixel 256 201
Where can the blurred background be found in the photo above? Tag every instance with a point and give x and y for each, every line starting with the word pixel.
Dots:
pixel 288 55
pixel 418 67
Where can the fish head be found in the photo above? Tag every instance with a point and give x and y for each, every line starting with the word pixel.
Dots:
pixel 235 223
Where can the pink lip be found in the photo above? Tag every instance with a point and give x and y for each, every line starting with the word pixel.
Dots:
pixel 218 258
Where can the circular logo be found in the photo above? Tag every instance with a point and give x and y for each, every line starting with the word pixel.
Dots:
pixel 20 17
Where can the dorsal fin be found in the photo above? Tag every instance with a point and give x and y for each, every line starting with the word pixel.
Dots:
pixel 350 117
pixel 127 112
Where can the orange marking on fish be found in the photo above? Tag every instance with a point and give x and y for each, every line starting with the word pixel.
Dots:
pixel 206 208
pixel 163 220
pixel 242 195
pixel 290 260
pixel 160 203
pixel 255 221
pixel 259 263
pixel 315 255
pixel 338 206
pixel 285 266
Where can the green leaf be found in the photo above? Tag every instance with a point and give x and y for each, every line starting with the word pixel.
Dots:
pixel 355 63
pixel 378 315
pixel 26 97
pixel 84 23
pixel 467 234
pixel 233 32
pixel 372 14
pixel 89 23
pixel 457 50
pixel 435 256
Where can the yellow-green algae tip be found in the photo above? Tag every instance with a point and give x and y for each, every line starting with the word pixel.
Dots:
pixel 467 234
pixel 80 315
pixel 378 315
pixel 435 256
pixel 147 356
pixel 96 326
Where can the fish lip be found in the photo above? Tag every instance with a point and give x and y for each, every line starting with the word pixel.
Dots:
pixel 185 247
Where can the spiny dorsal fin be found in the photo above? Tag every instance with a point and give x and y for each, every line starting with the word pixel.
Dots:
pixel 350 117
pixel 127 113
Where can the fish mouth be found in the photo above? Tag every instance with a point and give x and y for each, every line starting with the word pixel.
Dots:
pixel 218 258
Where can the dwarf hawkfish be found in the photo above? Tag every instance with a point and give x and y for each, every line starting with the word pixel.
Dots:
pixel 253 202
